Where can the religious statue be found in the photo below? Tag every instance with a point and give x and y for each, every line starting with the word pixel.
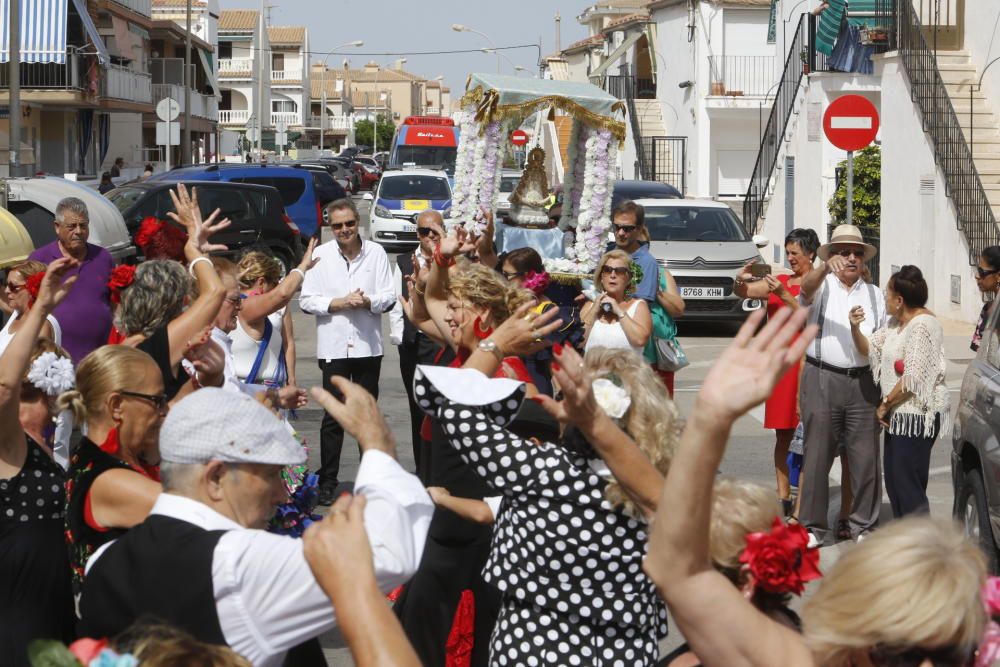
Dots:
pixel 532 193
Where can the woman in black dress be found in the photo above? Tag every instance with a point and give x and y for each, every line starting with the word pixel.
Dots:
pixel 35 595
pixel 571 532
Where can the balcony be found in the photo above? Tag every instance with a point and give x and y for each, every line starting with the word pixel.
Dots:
pixel 286 75
pixel 624 87
pixel 48 76
pixel 742 76
pixel 334 122
pixel 143 7
pixel 121 83
pixel 202 106
pixel 236 67
pixel 234 116
pixel 289 118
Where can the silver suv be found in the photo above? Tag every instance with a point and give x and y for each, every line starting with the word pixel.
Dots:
pixel 704 246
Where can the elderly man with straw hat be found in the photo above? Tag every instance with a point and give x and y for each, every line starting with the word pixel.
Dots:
pixel 838 396
pixel 200 560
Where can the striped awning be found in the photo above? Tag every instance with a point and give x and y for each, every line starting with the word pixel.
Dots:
pixel 43 31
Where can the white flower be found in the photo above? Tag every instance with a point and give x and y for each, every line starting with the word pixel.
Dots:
pixel 613 399
pixel 52 374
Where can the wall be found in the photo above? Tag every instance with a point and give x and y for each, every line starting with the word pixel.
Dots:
pixel 678 105
pixel 982 41
pixel 126 139
pixel 54 142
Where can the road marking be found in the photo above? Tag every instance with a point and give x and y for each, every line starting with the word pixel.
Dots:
pixel 851 123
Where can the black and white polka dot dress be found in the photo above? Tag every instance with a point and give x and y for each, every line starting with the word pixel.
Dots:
pixel 569 566
pixel 36 599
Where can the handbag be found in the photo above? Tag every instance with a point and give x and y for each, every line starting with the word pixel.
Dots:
pixel 670 355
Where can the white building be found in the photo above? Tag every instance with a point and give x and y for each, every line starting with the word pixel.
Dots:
pixel 244 69
pixel 290 79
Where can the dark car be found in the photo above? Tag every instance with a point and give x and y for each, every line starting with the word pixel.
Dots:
pixel 351 151
pixel 257 215
pixel 341 174
pixel 629 190
pixel 325 184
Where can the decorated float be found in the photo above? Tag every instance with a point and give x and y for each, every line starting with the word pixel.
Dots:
pixel 494 106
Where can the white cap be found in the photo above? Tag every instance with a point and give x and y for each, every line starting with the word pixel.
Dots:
pixel 216 425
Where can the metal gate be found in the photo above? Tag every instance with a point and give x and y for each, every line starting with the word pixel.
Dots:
pixel 667 160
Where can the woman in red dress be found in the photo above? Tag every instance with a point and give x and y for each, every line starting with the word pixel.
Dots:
pixel 781 412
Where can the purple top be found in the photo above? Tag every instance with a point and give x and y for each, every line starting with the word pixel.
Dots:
pixel 85 315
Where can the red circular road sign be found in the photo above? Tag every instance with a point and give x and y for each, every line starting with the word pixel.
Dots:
pixel 850 122
pixel 519 137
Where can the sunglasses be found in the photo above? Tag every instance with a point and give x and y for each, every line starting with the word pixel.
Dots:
pixel 617 270
pixel 510 276
pixel 159 401
pixel 848 253
pixel 426 231
pixel 985 273
pixel 337 226
pixel 14 287
pixel 627 229
pixel 948 656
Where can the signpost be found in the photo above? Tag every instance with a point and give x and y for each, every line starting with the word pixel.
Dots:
pixel 280 137
pixel 851 123
pixel 167 111
pixel 519 137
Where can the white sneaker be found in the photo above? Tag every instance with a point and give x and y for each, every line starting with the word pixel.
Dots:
pixel 861 537
pixel 814 542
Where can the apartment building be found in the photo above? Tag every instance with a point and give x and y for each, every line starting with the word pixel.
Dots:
pixel 376 89
pixel 337 121
pixel 244 55
pixel 291 91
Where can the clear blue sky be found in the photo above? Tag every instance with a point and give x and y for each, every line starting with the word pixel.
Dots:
pixel 408 26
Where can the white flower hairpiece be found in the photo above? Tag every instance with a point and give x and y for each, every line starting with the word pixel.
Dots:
pixel 612 398
pixel 52 374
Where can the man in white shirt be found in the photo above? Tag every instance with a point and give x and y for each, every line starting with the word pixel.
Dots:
pixel 838 396
pixel 200 561
pixel 348 291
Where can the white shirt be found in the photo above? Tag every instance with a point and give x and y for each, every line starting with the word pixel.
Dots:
pixel 396 315
pixel 6 335
pixel 835 345
pixel 230 381
pixel 265 594
pixel 356 332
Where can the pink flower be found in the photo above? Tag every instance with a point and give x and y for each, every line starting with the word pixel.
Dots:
pixel 87 649
pixel 990 595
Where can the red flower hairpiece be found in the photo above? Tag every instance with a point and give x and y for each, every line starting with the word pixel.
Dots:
pixel 158 239
pixel 33 284
pixel 536 281
pixel 121 277
pixel 147 229
pixel 780 560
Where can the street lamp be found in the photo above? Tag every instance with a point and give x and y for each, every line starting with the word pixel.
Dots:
pixel 322 89
pixel 458 27
pixel 399 63
pixel 517 68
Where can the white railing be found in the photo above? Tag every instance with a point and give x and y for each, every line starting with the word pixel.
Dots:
pixel 144 7
pixel 285 75
pixel 290 118
pixel 236 66
pixel 332 122
pixel 234 116
pixel 121 83
pixel 204 106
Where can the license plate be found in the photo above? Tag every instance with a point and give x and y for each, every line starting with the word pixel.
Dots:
pixel 415 204
pixel 409 228
pixel 703 293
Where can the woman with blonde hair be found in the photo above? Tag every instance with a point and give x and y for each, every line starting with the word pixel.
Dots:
pixel 21 289
pixel 617 318
pixel 113 478
pixel 906 595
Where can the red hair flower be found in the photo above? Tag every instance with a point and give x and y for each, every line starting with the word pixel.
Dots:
pixel 536 281
pixel 87 649
pixel 121 277
pixel 158 239
pixel 780 560
pixel 33 284
pixel 147 229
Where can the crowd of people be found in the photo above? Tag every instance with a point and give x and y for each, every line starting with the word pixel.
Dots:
pixel 561 510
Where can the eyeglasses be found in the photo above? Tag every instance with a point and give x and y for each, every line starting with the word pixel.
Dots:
pixel 13 287
pixel 511 276
pixel 627 229
pixel 337 226
pixel 948 656
pixel 236 300
pixel 848 253
pixel 617 270
pixel 985 273
pixel 159 401
pixel 427 231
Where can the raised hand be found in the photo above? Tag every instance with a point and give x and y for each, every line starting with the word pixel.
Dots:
pixel 338 551
pixel 358 413
pixel 457 243
pixel 745 273
pixel 187 214
pixel 308 261
pixel 291 397
pixel 524 332
pixel 856 316
pixel 578 407
pixel 55 286
pixel 774 285
pixel 836 264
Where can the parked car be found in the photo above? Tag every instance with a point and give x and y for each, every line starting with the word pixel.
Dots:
pixel 348 166
pixel 351 151
pixel 33 200
pixel 341 174
pixel 624 190
pixel 327 187
pixel 255 211
pixel 302 201
pixel 975 457
pixel 382 157
pixel 399 198
pixel 367 176
pixel 509 178
pixel 704 245
pixel 368 161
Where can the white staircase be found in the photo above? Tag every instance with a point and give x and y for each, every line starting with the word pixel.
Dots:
pixel 650 117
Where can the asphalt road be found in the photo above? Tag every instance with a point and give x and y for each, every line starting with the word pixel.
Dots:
pixel 749 455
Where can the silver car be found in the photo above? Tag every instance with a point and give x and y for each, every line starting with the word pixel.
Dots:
pixel 704 246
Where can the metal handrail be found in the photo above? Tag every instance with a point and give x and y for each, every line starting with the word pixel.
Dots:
pixel 951 151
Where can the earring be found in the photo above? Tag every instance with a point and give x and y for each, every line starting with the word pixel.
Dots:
pixel 481 334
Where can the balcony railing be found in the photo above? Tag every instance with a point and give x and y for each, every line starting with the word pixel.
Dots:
pixel 332 122
pixel 236 66
pixel 144 7
pixel 625 87
pixel 203 106
pixel 234 116
pixel 742 75
pixel 121 83
pixel 285 75
pixel 289 118
pixel 49 76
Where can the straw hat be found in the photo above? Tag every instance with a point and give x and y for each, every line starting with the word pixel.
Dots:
pixel 845 235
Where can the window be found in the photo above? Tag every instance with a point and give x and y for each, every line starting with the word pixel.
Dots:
pixel 691 223
pixel 279 106
pixel 225 50
pixel 278 62
pixel 230 201
pixel 290 189
pixel 509 183
pixel 415 187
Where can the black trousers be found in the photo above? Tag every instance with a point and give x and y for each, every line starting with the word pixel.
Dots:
pixel 364 371
pixel 421 351
pixel 907 467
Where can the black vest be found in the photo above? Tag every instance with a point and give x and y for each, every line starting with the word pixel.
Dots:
pixel 404 261
pixel 161 570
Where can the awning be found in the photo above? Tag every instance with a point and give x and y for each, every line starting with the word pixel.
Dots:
pixel 207 65
pixel 43 31
pixel 616 54
pixel 88 25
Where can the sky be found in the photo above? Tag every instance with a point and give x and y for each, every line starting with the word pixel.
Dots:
pixel 408 26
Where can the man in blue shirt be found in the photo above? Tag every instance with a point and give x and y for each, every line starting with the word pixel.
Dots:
pixel 629 225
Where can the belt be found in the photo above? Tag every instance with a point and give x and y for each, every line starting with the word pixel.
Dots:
pixel 857 371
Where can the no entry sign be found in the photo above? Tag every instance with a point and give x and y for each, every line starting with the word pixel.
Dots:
pixel 850 122
pixel 519 137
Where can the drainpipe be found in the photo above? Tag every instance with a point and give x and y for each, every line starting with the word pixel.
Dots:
pixel 14 78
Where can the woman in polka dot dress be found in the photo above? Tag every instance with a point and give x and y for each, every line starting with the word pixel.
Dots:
pixel 35 593
pixel 570 536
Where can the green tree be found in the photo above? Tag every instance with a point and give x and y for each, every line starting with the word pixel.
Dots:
pixel 363 133
pixel 867 190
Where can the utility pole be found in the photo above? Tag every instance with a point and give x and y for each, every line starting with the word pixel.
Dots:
pixel 558 31
pixel 14 77
pixel 260 83
pixel 188 82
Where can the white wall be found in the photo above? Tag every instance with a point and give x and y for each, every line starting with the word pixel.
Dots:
pixel 746 32
pixel 982 43
pixel 126 139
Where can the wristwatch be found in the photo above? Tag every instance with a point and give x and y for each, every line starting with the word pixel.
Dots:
pixel 489 346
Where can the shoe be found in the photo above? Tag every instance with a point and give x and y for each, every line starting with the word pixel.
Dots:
pixel 861 536
pixel 843 529
pixel 327 494
pixel 814 542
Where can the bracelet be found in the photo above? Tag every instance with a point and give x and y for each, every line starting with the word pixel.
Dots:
pixel 195 261
pixel 440 259
pixel 298 271
pixel 418 291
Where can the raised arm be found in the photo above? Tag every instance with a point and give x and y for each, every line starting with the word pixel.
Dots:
pixel 435 297
pixel 748 287
pixel 722 627
pixel 259 306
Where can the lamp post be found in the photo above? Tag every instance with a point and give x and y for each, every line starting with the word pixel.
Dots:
pixel 515 66
pixel 322 89
pixel 458 27
pixel 378 71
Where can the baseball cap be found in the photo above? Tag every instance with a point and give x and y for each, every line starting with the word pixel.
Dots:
pixel 212 424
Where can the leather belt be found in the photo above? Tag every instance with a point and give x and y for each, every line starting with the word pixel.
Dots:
pixel 857 371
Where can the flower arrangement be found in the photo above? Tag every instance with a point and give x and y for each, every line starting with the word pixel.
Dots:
pixel 121 277
pixel 477 171
pixel 293 517
pixel 52 374
pixel 989 646
pixel 780 560
pixel 572 180
pixel 81 653
pixel 536 281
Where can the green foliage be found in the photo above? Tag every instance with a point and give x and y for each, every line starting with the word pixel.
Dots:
pixel 867 190
pixel 363 133
pixel 50 653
